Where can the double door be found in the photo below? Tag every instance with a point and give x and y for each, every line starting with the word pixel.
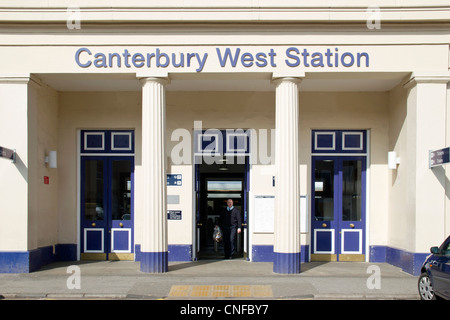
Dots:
pixel 107 188
pixel 338 208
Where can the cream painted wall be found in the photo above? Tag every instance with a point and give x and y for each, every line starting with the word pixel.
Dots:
pixel 353 110
pixel 14 188
pixel 44 205
pixel 317 111
pixel 220 110
pixel 426 126
pixel 29 111
pixel 400 230
pixel 418 196
pixel 94 110
pixel 223 110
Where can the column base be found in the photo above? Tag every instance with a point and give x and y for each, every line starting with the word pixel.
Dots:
pixel 286 263
pixel 154 262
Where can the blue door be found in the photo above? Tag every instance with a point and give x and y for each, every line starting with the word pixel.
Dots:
pixel 107 207
pixel 338 208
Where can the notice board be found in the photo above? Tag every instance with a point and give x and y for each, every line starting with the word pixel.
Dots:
pixel 264 213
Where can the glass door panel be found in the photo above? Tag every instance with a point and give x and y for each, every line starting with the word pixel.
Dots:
pixel 351 190
pixel 351 225
pixel 324 190
pixel 121 209
pixel 324 208
pixel 107 207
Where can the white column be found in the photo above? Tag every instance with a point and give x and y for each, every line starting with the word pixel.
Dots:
pixel 154 247
pixel 287 197
pixel 14 185
pixel 426 192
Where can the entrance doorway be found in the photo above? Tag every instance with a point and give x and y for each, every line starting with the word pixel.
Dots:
pixel 338 208
pixel 107 195
pixel 218 183
pixel 338 205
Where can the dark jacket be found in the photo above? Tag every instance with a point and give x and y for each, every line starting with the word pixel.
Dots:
pixel 230 218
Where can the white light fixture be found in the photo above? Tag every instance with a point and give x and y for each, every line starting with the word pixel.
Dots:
pixel 393 160
pixel 51 159
pixel 223 166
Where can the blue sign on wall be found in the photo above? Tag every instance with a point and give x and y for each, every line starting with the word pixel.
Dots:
pixel 8 154
pixel 174 179
pixel 439 157
pixel 174 215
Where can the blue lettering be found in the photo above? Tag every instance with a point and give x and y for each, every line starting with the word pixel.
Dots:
pixel 189 57
pixel 138 60
pixel 305 55
pixel 126 55
pixel 201 62
pixel 77 57
pixel 352 59
pixel 272 56
pixel 158 59
pixel 223 61
pixel 328 54
pixel 247 60
pixel 362 54
pixel 111 56
pixel 100 60
pixel 261 59
pixel 291 56
pixel 175 64
pixel 317 59
pixel 149 59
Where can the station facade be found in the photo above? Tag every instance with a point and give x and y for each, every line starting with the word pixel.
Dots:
pixel 133 124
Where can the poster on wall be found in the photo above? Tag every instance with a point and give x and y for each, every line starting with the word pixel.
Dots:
pixel 264 213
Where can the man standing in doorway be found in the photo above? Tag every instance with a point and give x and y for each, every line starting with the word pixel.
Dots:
pixel 230 222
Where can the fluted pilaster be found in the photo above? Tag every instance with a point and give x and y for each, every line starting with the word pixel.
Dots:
pixel 287 198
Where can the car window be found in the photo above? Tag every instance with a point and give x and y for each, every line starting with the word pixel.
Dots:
pixel 445 247
pixel 447 250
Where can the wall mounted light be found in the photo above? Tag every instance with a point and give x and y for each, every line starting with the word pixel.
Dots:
pixel 51 159
pixel 393 160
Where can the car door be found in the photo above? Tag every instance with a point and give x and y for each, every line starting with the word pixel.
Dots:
pixel 440 270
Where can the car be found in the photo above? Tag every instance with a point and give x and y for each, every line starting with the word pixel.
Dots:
pixel 434 280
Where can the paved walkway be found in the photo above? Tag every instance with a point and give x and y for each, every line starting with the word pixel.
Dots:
pixel 210 279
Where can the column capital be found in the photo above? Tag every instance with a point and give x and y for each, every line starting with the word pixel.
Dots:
pixel 15 78
pixel 279 80
pixel 417 78
pixel 161 80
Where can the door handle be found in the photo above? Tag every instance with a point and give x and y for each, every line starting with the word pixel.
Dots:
pixel 199 224
pixel 324 225
pixel 93 224
pixel 352 225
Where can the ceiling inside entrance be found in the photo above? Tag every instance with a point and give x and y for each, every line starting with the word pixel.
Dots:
pixel 312 82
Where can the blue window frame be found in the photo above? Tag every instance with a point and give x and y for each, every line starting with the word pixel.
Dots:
pixel 339 141
pixel 107 141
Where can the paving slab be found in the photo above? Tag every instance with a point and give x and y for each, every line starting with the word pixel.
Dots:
pixel 211 279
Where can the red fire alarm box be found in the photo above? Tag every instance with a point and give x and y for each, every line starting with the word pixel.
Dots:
pixel 46 180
